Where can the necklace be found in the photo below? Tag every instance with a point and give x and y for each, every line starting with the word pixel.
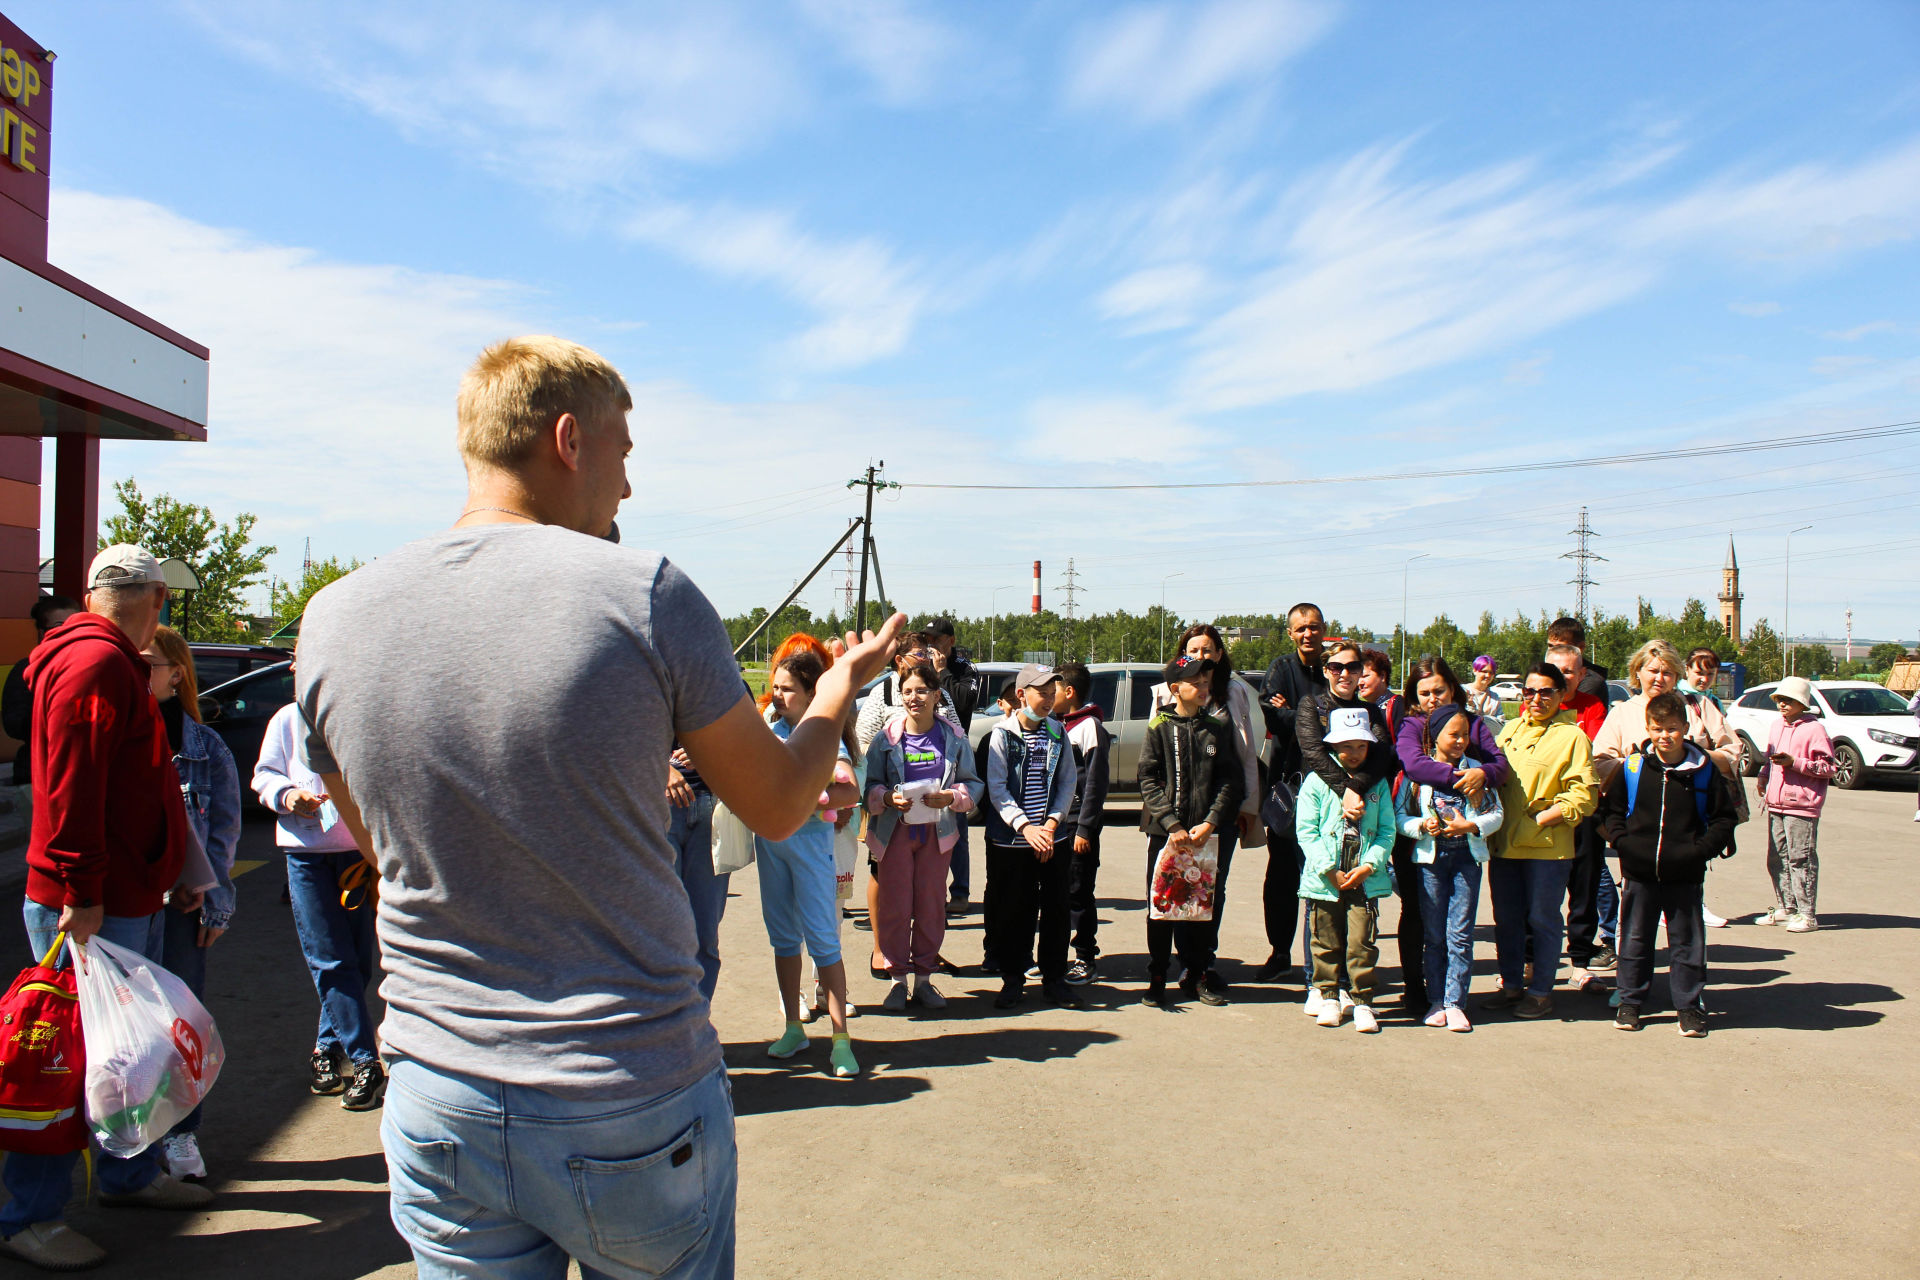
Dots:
pixel 505 511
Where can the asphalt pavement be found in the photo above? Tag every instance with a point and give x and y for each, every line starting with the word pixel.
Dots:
pixel 1124 1141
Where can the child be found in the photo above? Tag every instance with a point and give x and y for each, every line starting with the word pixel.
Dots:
pixel 1344 875
pixel 1667 813
pixel 1190 784
pixel 1090 741
pixel 1030 783
pixel 916 747
pixel 1793 786
pixel 1451 831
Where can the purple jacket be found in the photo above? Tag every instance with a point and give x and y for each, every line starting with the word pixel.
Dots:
pixel 1422 767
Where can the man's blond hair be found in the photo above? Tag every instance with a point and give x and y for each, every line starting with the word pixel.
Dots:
pixel 517 388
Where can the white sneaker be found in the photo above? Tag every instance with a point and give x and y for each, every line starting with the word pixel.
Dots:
pixel 1916 815
pixel 1346 1002
pixel 897 997
pixel 1330 1013
pixel 181 1154
pixel 1711 920
pixel 1777 915
pixel 853 1010
pixel 926 995
pixel 1314 1002
pixel 1363 1019
pixel 1802 924
pixel 811 1009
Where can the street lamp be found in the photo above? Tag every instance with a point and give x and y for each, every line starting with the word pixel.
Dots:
pixel 1405 572
pixel 1163 611
pixel 993 630
pixel 1786 609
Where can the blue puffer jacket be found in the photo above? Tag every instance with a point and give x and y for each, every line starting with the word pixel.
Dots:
pixel 210 785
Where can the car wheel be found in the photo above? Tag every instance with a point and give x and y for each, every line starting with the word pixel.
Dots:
pixel 1749 758
pixel 1848 769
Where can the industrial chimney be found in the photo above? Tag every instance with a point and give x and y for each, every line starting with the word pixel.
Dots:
pixel 1036 586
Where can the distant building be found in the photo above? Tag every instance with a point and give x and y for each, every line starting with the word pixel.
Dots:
pixel 1234 635
pixel 1730 596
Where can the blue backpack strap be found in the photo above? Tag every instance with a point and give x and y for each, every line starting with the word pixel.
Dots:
pixel 1702 779
pixel 1633 780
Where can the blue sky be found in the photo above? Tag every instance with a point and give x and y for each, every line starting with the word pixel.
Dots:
pixel 1053 242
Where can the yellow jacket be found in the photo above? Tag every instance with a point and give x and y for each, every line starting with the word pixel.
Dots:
pixel 1552 765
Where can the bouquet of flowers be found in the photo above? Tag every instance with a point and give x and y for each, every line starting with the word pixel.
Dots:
pixel 1183 882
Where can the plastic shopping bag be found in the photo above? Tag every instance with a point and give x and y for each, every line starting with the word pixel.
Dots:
pixel 732 841
pixel 152 1049
pixel 1183 882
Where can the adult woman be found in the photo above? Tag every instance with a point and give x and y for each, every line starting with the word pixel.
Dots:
pixel 1656 668
pixel 210 785
pixel 797 878
pixel 1232 703
pixel 914 750
pixel 1480 696
pixel 1552 789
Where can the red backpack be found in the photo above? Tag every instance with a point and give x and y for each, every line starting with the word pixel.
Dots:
pixel 43 1061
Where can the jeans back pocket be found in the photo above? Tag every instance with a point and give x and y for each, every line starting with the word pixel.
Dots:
pixel 647 1212
pixel 422 1178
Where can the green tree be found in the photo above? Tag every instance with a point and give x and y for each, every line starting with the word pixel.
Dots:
pixel 1762 653
pixel 1813 661
pixel 1882 656
pixel 221 556
pixel 287 601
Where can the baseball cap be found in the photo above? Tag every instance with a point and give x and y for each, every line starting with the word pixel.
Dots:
pixel 938 627
pixel 1035 674
pixel 1484 662
pixel 1349 724
pixel 1187 667
pixel 124 565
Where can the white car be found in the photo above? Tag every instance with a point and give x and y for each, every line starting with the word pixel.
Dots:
pixel 1505 690
pixel 1870 727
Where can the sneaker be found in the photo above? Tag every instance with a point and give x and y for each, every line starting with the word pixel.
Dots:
pixel 180 1152
pixel 811 1009
pixel 926 995
pixel 1033 973
pixel 1534 1007
pixel 956 903
pixel 1156 993
pixel 164 1192
pixel 1626 1017
pixel 1208 993
pixel 1330 1012
pixel 324 1076
pixel 1212 981
pixel 792 1041
pixel 1363 1019
pixel 853 1010
pixel 1580 979
pixel 1058 992
pixel 1081 972
pixel 54 1246
pixel 1613 1001
pixel 1800 924
pixel 1457 1019
pixel 1777 915
pixel 1713 921
pixel 897 997
pixel 1436 1017
pixel 1314 1001
pixel 1011 996
pixel 842 1060
pixel 1346 1002
pixel 1504 998
pixel 1605 960
pixel 1693 1023
pixel 1275 968
pixel 369 1082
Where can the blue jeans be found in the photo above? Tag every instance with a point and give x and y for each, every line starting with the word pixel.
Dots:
pixel 1609 907
pixel 1527 893
pixel 691 831
pixel 1449 904
pixel 497 1180
pixel 184 957
pixel 40 1186
pixel 338 945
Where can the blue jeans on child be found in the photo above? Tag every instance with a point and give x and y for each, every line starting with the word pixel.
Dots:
pixel 42 1185
pixel 1527 893
pixel 691 831
pixel 338 945
pixel 1449 904
pixel 508 1182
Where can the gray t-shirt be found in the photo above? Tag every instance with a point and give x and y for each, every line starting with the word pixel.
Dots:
pixel 502 700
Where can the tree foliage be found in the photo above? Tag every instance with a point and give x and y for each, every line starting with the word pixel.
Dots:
pixel 288 600
pixel 220 554
pixel 1762 653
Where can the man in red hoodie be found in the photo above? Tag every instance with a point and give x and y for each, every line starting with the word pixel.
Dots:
pixel 109 838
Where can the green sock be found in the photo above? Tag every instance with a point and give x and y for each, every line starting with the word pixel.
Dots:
pixel 843 1060
pixel 790 1043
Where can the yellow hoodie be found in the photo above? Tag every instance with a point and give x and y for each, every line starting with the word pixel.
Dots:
pixel 1552 764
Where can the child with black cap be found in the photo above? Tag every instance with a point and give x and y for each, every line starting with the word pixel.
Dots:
pixel 1190 785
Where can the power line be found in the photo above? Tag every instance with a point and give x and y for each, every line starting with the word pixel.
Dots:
pixel 1809 439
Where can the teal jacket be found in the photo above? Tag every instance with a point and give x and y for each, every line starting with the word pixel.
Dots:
pixel 1318 822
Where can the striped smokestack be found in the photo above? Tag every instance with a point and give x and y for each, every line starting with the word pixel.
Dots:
pixel 1036 586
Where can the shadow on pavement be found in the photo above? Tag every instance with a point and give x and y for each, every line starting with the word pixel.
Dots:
pixel 1865 921
pixel 1802 1006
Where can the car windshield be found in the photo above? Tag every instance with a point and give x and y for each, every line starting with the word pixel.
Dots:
pixel 1865 702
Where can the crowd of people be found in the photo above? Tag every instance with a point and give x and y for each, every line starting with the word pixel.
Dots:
pixel 548 914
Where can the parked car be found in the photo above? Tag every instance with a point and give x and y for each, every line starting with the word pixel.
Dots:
pixel 239 710
pixel 1505 690
pixel 1872 731
pixel 216 664
pixel 1617 692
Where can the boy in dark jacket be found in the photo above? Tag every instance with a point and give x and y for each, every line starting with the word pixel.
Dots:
pixel 1088 737
pixel 1190 786
pixel 1667 814
pixel 1290 681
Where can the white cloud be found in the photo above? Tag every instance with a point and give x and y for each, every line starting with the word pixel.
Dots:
pixel 1530 372
pixel 1104 431
pixel 900 46
pixel 1860 331
pixel 1156 298
pixel 1839 366
pixel 1154 62
pixel 1754 309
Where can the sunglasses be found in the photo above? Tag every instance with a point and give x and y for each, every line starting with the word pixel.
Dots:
pixel 1531 692
pixel 1344 668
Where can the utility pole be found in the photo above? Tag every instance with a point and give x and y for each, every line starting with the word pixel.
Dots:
pixel 1583 556
pixel 1849 634
pixel 1786 606
pixel 1070 588
pixel 872 481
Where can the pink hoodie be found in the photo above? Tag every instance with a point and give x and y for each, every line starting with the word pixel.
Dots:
pixel 1801 787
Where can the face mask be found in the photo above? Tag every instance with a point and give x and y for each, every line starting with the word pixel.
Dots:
pixel 1032 717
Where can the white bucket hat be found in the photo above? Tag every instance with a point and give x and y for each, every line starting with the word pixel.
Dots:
pixel 1797 688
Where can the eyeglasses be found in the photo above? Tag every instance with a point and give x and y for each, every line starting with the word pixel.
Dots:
pixel 157 663
pixel 1531 692
pixel 1346 668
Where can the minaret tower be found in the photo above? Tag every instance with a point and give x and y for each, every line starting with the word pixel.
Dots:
pixel 1730 596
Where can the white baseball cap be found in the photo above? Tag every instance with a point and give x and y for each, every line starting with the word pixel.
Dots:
pixel 124 565
pixel 1349 724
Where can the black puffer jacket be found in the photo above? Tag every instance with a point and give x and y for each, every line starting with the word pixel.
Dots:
pixel 1189 773
pixel 1663 838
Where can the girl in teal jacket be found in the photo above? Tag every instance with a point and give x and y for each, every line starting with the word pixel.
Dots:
pixel 1345 872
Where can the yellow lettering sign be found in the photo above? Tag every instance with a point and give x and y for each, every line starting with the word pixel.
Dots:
pixel 27 147
pixel 32 74
pixel 9 130
pixel 11 79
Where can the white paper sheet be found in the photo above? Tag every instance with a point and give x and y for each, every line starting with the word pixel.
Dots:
pixel 919 813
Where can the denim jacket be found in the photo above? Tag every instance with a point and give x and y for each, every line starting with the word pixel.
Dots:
pixel 1007 765
pixel 886 769
pixel 210 785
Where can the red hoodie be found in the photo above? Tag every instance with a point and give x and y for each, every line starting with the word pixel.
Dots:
pixel 109 827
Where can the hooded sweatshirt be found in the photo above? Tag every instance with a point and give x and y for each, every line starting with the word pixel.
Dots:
pixel 109 826
pixel 1663 839
pixel 1800 789
pixel 1087 735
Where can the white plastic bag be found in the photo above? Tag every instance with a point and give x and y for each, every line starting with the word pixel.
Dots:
pixel 732 841
pixel 152 1049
